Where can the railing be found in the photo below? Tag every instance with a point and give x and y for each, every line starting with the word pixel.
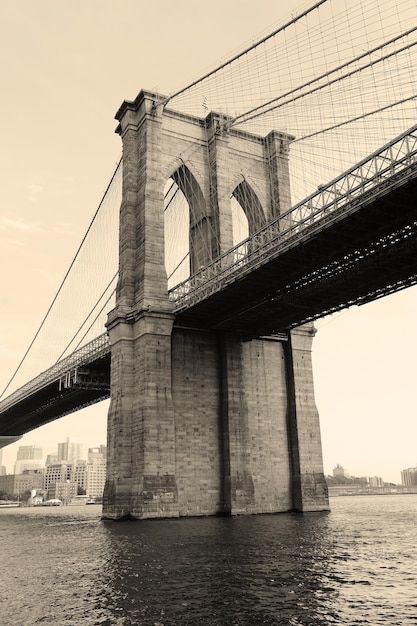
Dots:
pixel 95 349
pixel 373 176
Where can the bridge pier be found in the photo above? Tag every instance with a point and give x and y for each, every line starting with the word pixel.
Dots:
pixel 214 424
pixel 309 487
pixel 201 422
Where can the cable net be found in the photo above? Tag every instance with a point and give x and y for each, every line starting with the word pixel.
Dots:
pixel 338 76
pixel 79 309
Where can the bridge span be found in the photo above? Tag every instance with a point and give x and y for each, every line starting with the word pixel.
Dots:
pixel 351 242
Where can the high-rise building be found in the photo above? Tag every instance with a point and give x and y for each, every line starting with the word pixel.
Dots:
pixel 69 451
pixel 28 458
pixel 51 459
pixel 90 476
pixel 409 477
pixel 58 472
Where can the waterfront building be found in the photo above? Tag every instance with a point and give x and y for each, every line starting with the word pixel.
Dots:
pixel 57 472
pixel 17 484
pixel 91 476
pixel 340 472
pixel 409 477
pixel 96 477
pixel 376 481
pixel 62 490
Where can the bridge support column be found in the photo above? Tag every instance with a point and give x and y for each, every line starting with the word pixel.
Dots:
pixel 309 485
pixel 271 432
pixel 238 488
pixel 141 480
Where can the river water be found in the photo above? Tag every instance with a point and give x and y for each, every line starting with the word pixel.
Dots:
pixel 354 565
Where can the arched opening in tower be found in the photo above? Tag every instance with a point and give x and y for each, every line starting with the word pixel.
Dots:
pixel 188 230
pixel 176 223
pixel 247 217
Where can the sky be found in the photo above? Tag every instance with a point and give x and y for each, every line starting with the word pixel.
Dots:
pixel 65 68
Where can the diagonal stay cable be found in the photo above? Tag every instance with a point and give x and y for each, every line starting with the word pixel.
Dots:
pixel 63 280
pixel 85 320
pixel 95 319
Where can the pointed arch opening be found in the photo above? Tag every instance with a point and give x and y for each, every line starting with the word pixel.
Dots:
pixel 251 206
pixel 247 216
pixel 176 225
pixel 188 232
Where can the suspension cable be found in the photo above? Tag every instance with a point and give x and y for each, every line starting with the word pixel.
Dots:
pixel 260 110
pixel 355 119
pixel 85 320
pixel 240 54
pixel 63 281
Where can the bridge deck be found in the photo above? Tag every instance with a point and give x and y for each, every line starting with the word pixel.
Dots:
pixel 370 253
pixel 351 242
pixel 74 383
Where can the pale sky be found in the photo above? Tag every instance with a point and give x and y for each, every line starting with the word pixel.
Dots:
pixel 66 66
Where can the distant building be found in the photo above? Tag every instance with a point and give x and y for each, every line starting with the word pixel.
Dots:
pixel 28 458
pixel 69 451
pixel 57 473
pixel 340 472
pixel 376 481
pixel 51 459
pixel 91 475
pixel 99 452
pixel 62 490
pixel 17 484
pixel 409 477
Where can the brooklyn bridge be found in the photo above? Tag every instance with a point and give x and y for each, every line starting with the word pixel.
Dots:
pixel 209 258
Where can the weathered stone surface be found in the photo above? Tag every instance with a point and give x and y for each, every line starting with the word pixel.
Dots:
pixel 309 485
pixel 201 423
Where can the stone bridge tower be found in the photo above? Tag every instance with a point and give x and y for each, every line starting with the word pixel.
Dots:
pixel 202 422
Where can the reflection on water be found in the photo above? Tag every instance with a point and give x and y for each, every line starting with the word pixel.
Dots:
pixel 355 565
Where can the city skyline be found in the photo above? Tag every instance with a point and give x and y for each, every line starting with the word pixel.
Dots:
pixel 59 151
pixel 44 455
pixel 339 466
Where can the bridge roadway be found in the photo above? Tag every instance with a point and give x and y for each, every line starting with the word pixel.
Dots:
pixel 367 253
pixel 353 241
pixel 77 381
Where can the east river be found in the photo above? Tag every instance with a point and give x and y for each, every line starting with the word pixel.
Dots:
pixel 354 565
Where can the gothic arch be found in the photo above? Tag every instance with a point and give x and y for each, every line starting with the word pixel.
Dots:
pixel 251 206
pixel 199 236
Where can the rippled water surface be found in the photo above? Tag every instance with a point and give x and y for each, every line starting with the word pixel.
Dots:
pixel 355 565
